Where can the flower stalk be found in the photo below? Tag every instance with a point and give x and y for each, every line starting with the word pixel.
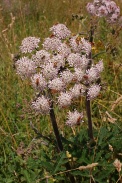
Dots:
pixel 55 128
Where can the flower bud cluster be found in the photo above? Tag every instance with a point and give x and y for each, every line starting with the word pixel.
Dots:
pixel 104 8
pixel 60 69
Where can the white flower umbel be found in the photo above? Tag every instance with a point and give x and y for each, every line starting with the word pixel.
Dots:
pixel 51 44
pixel 67 76
pixel 41 57
pixel 64 50
pixel 74 60
pixel 86 46
pixel 92 74
pixel 85 62
pixel 78 74
pixel 38 81
pixel 49 71
pixel 41 105
pixel 58 61
pixel 100 66
pixel 93 91
pixel 118 165
pixel 104 8
pixel 64 99
pixel 75 43
pixel 29 44
pixel 25 67
pixel 77 90
pixel 56 85
pixel 74 118
pixel 60 31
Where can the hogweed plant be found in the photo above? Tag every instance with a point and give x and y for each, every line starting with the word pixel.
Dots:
pixel 65 70
pixel 61 72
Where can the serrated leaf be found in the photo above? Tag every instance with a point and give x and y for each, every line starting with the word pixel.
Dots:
pixel 60 161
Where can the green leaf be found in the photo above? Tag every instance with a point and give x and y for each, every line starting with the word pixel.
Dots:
pixel 60 161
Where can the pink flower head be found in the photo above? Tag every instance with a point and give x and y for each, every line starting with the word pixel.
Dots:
pixel 67 76
pixel 60 31
pixel 91 8
pixel 74 118
pixel 25 67
pixel 92 74
pixel 38 81
pixel 56 84
pixel 29 44
pixel 93 91
pixel 77 90
pixel 64 99
pixel 41 105
pixel 58 61
pixel 49 71
pixel 74 60
pixel 51 43
pixel 78 74
pixel 41 57
pixel 64 50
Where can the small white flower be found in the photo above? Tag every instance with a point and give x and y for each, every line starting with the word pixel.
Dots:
pixel 51 43
pixel 74 60
pixel 117 164
pixel 38 81
pixel 49 71
pixel 74 118
pixel 58 61
pixel 41 105
pixel 25 67
pixel 64 50
pixel 93 91
pixel 77 90
pixel 91 8
pixel 29 44
pixel 67 76
pixel 60 31
pixel 64 99
pixel 102 11
pixel 75 43
pixel 100 66
pixel 84 62
pixel 78 74
pixel 86 46
pixel 104 8
pixel 56 84
pixel 93 74
pixel 41 57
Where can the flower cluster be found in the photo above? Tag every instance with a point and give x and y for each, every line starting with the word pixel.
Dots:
pixel 41 105
pixel 60 70
pixel 74 118
pixel 29 44
pixel 60 31
pixel 104 8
